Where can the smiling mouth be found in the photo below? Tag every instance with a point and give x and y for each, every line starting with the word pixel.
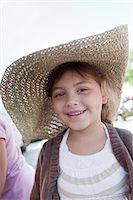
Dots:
pixel 75 113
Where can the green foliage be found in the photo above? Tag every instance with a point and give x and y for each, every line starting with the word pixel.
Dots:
pixel 130 59
pixel 129 72
pixel 131 56
pixel 129 76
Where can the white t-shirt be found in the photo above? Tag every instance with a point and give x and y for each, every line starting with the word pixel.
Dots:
pixel 96 176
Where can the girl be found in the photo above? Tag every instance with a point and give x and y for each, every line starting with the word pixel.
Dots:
pixel 73 90
pixel 90 162
pixel 16 176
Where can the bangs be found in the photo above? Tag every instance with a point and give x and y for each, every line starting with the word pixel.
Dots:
pixel 83 69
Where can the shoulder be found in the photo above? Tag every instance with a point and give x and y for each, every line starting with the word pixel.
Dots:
pixel 127 138
pixel 3 127
pixel 6 125
pixel 124 134
pixel 51 146
pixel 119 136
pixel 54 141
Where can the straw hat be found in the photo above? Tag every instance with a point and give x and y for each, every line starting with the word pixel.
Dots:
pixel 23 83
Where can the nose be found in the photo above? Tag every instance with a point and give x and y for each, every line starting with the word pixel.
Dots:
pixel 72 101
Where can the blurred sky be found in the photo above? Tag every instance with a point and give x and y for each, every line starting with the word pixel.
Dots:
pixel 27 26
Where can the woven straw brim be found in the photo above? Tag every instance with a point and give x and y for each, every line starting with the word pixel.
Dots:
pixel 23 84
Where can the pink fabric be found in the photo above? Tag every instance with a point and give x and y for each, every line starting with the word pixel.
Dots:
pixel 20 176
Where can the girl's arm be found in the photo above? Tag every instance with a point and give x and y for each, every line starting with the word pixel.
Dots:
pixel 3 164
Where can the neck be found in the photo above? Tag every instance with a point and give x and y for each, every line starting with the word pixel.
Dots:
pixel 93 131
pixel 88 141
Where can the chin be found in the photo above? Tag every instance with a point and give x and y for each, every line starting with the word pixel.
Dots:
pixel 78 128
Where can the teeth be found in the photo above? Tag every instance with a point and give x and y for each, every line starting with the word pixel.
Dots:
pixel 76 113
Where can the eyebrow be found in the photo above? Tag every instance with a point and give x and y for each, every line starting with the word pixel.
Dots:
pixel 78 83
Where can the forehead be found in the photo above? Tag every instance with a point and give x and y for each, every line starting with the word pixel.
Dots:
pixel 73 77
pixel 78 70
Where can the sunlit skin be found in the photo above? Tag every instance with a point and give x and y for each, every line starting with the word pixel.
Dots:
pixel 77 102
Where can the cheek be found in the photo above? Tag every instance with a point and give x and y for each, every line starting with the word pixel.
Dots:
pixel 56 107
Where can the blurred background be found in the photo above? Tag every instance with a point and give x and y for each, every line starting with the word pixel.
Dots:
pixel 28 26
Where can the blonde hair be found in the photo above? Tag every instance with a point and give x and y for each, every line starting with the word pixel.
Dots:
pixel 109 109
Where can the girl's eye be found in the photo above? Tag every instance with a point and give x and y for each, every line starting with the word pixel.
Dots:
pixel 59 94
pixel 83 90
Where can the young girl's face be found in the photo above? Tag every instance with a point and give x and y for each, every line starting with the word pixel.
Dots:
pixel 77 101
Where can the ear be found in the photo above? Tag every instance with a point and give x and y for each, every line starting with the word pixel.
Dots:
pixel 104 91
pixel 104 99
pixel 104 96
